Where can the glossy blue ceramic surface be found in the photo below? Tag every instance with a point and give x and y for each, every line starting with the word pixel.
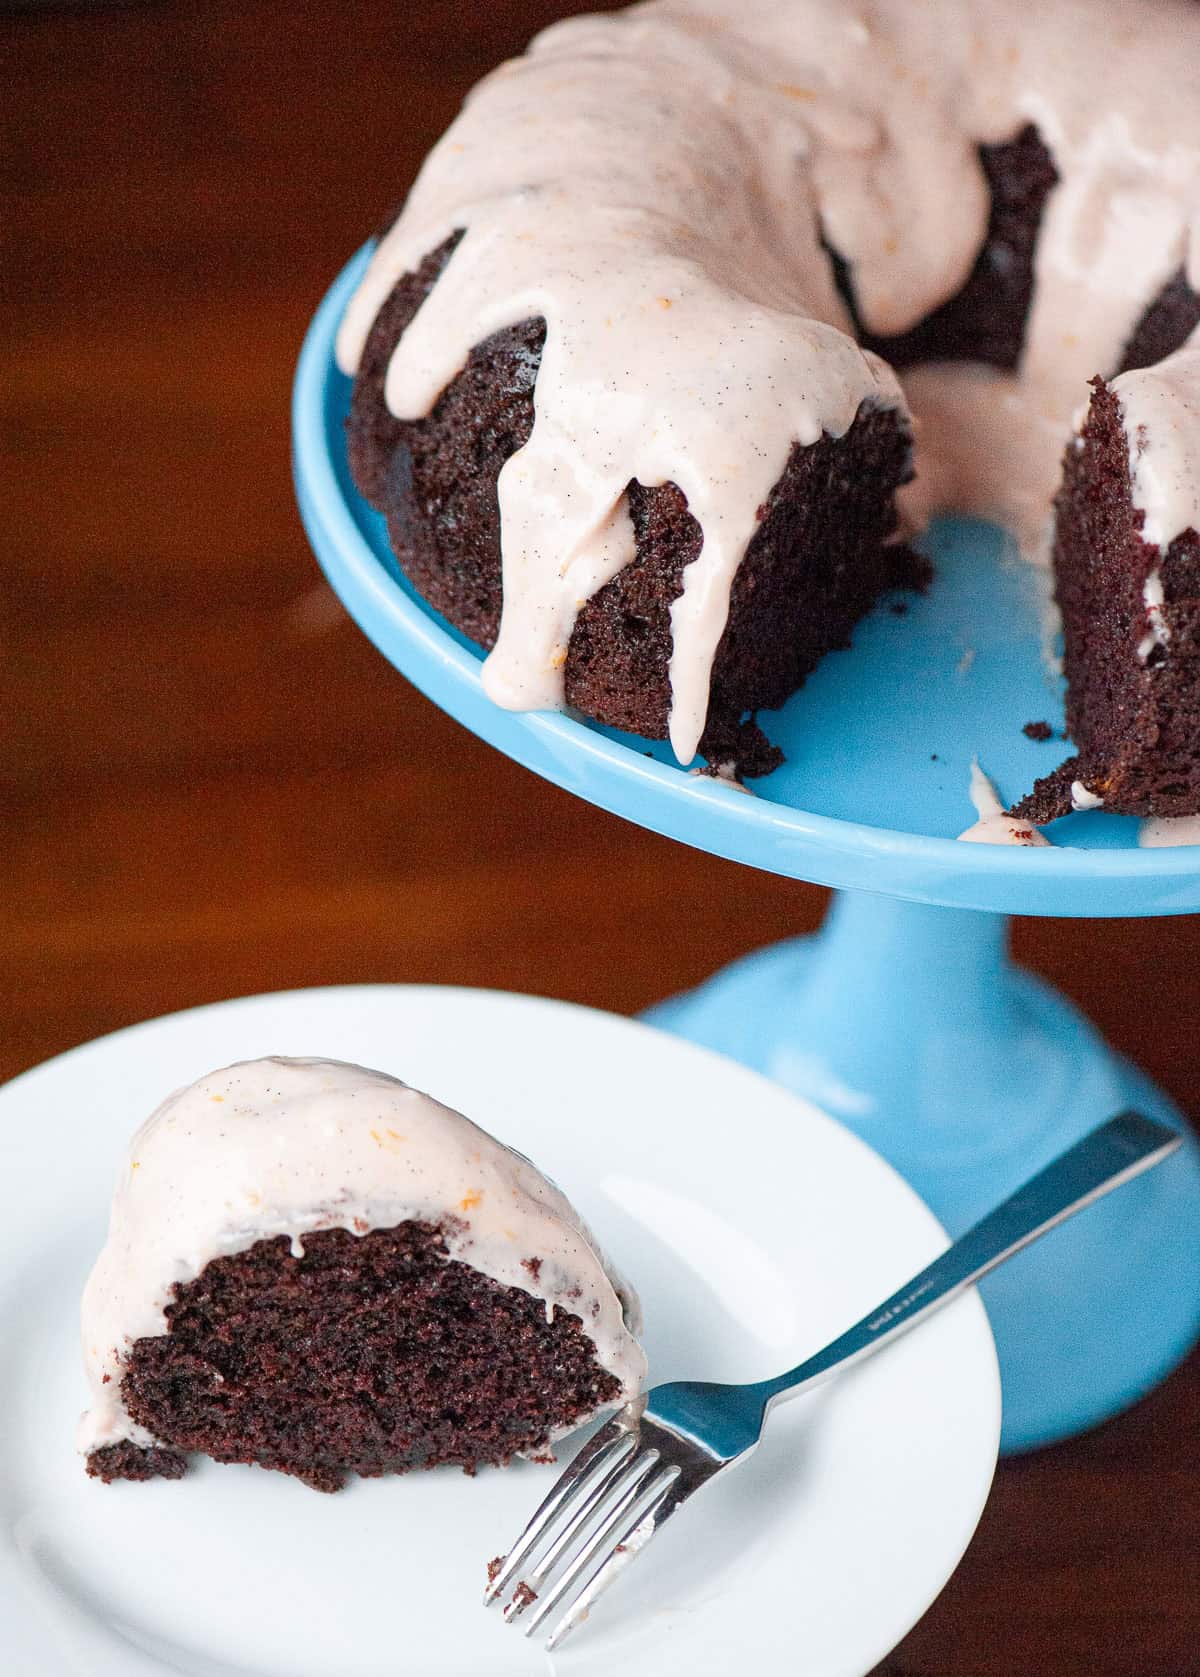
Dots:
pixel 905 1021
pixel 910 1025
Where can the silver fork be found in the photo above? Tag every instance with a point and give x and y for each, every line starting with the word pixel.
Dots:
pixel 649 1458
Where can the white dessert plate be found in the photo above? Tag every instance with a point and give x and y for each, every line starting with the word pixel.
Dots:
pixel 754 1227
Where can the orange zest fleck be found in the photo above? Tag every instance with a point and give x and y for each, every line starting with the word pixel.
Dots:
pixel 470 1201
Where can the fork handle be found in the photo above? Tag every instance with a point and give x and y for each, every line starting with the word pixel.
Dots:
pixel 1108 1156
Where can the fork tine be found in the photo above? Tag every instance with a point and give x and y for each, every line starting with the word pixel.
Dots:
pixel 612 1478
pixel 577 1534
pixel 634 1492
pixel 638 1532
pixel 605 1450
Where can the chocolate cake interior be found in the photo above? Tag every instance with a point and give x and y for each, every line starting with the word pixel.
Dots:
pixel 1133 705
pixel 369 1354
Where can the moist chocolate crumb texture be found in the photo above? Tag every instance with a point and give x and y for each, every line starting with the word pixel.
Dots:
pixel 1127 581
pixel 640 365
pixel 316 1269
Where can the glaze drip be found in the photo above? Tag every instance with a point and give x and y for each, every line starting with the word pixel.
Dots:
pixel 1161 410
pixel 694 331
pixel 995 825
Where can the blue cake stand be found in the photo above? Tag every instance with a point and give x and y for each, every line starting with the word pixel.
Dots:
pixel 903 1016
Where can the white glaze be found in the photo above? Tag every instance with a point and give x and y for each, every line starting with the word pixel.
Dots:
pixel 1158 630
pixel 724 774
pixel 1161 409
pixel 1083 798
pixel 289 1146
pixel 1158 831
pixel 655 184
pixel 994 825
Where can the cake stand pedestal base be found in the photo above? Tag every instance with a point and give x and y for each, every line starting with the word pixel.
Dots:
pixel 911 1025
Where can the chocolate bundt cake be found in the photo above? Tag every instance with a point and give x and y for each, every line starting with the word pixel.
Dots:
pixel 623 365
pixel 314 1268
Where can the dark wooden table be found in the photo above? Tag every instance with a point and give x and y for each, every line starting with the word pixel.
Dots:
pixel 212 785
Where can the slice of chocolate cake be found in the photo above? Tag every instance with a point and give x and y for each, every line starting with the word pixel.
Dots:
pixel 314 1268
pixel 1127 578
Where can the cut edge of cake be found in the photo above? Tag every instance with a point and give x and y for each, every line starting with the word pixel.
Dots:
pixel 1130 611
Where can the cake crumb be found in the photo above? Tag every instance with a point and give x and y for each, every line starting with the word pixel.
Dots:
pixel 522 1596
pixel 493 1568
pixel 1038 731
pixel 533 1265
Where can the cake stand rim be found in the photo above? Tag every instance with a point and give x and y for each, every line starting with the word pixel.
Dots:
pixel 776 838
